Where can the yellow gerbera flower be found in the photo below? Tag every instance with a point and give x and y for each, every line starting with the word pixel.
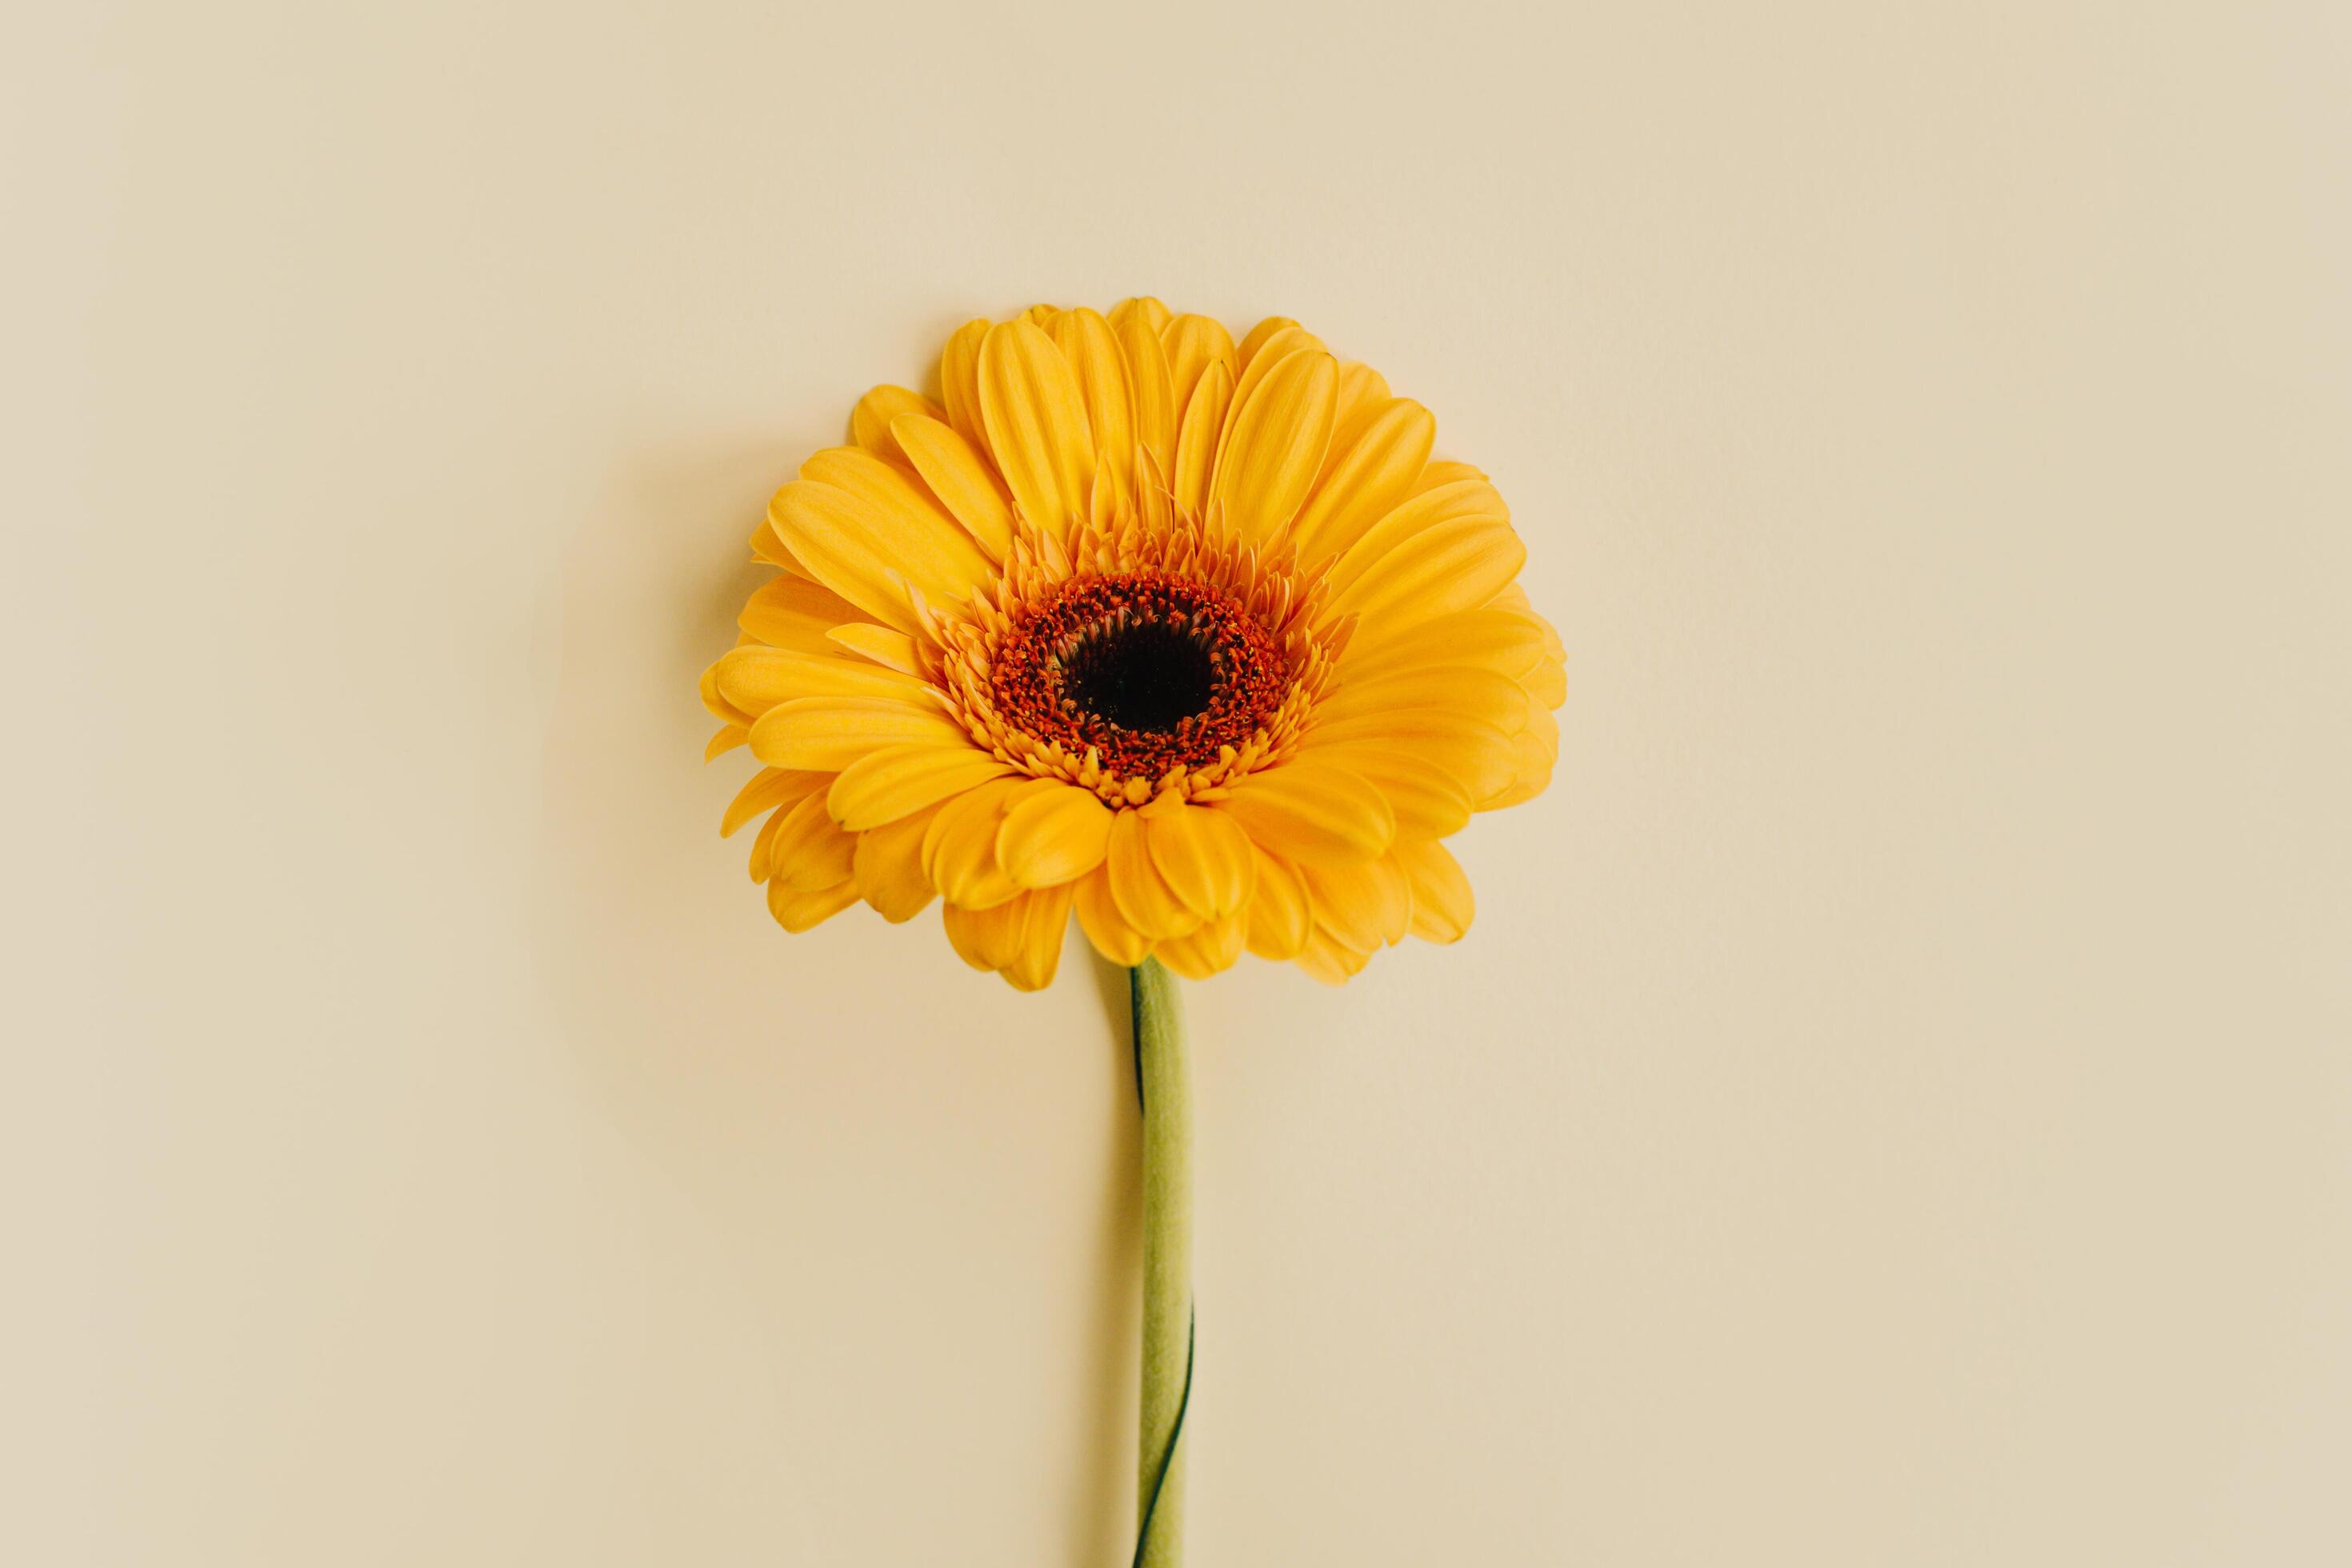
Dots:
pixel 1189 638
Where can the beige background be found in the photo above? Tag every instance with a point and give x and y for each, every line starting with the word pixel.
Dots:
pixel 1895 1107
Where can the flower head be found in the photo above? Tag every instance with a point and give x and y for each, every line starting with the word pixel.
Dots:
pixel 1187 639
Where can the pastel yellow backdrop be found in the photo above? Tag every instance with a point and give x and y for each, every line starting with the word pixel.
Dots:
pixel 1894 1107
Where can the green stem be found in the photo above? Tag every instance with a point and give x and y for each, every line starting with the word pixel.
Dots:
pixel 1163 1083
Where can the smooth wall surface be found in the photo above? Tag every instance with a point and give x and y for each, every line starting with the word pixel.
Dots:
pixel 1895 1107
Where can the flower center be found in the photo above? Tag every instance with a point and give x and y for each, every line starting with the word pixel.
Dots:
pixel 1151 670
pixel 1148 676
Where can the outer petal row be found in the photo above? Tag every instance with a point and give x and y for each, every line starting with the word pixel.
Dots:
pixel 1180 882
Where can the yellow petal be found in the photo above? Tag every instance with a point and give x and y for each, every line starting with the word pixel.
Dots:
pixel 770 787
pixel 892 650
pixel 715 703
pixel 797 614
pixel 1453 566
pixel 1142 308
pixel 797 911
pixel 1143 895
pixel 809 852
pixel 1442 904
pixel 767 547
pixel 1208 951
pixel 756 679
pixel 1364 395
pixel 963 481
pixel 986 938
pixel 1262 334
pixel 1546 728
pixel 1037 421
pixel 1037 951
pixel 1274 443
pixel 1439 475
pixel 1513 597
pixel 725 739
pixel 1054 837
pixel 830 732
pixel 959 849
pixel 1547 683
pixel 1197 436
pixel 1151 386
pixel 1280 346
pixel 889 868
pixel 1269 358
pixel 1464 690
pixel 1366 480
pixel 1202 855
pixel 1531 781
pixel 1194 344
pixel 1494 639
pixel 899 780
pixel 1324 958
pixel 861 551
pixel 1472 751
pixel 1279 911
pixel 1364 905
pixel 960 380
pixel 893 490
pixel 761 864
pixel 1105 927
pixel 1535 750
pixel 1428 801
pixel 870 421
pixel 1092 348
pixel 1307 810
pixel 1418 514
pixel 1020 939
